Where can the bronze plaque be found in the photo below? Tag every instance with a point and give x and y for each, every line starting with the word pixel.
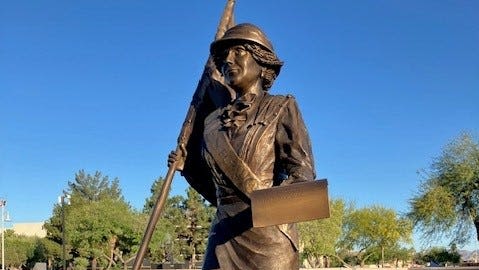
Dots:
pixel 291 203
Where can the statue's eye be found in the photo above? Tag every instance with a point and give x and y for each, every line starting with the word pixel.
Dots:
pixel 239 51
pixel 231 52
pixel 222 55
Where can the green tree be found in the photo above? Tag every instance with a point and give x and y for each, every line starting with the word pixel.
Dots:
pixel 447 202
pixel 18 249
pixel 174 220
pixel 98 230
pixel 84 188
pixel 163 246
pixel 397 255
pixel 440 256
pixel 94 187
pixel 319 238
pixel 198 217
pixel 99 224
pixel 374 229
pixel 53 226
pixel 181 232
pixel 45 251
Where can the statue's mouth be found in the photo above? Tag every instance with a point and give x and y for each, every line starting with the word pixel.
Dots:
pixel 231 71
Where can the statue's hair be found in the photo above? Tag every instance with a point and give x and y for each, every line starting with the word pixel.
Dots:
pixel 264 58
pixel 268 60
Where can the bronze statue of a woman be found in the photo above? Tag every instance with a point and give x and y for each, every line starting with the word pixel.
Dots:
pixel 256 141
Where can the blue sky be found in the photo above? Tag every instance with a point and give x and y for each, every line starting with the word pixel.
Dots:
pixel 104 85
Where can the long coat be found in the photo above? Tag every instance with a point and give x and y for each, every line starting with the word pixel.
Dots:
pixel 255 142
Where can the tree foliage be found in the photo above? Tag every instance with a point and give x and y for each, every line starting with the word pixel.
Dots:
pixel 164 246
pixel 198 219
pixel 368 231
pixel 397 255
pixel 20 248
pixel 438 256
pixel 89 188
pixel 181 232
pixel 99 224
pixel 319 238
pixel 45 250
pixel 447 202
pixel 99 230
pixel 102 230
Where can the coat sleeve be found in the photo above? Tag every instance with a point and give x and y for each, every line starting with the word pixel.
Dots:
pixel 293 146
pixel 196 171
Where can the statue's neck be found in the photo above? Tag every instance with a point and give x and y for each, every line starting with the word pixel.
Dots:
pixel 256 89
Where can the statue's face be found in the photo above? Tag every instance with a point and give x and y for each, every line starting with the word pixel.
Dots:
pixel 240 70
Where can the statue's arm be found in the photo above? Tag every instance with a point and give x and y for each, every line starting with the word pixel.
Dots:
pixel 195 170
pixel 293 145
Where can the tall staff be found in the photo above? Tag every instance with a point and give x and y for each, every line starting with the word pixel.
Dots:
pixel 186 129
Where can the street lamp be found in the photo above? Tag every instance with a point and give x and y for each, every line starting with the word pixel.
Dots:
pixel 2 205
pixel 63 199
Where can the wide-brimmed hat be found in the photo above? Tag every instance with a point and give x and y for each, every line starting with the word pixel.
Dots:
pixel 242 32
pixel 245 32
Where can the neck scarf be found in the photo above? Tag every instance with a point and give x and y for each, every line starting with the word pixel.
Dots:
pixel 235 113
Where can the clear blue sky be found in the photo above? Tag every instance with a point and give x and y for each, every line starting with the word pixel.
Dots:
pixel 104 85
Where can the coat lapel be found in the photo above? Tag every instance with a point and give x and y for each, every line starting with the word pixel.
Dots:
pixel 237 171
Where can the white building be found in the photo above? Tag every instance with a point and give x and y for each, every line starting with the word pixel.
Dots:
pixel 30 229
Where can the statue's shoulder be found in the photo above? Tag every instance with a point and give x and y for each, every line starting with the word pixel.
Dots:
pixel 272 106
pixel 279 99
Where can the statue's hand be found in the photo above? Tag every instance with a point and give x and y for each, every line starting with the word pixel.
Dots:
pixel 177 158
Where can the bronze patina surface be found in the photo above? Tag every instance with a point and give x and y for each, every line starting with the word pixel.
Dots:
pixel 290 203
pixel 249 143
